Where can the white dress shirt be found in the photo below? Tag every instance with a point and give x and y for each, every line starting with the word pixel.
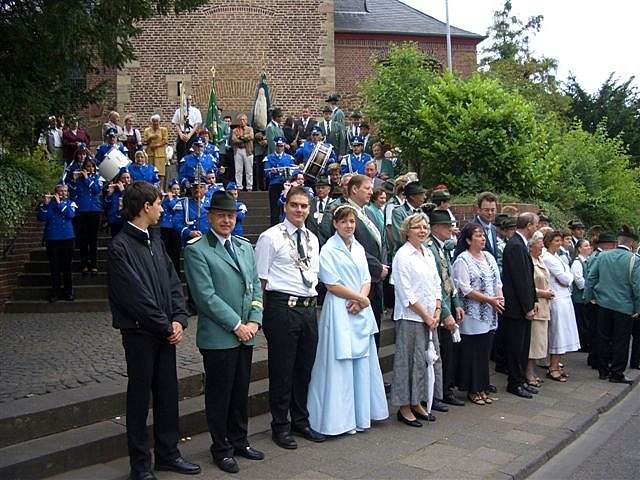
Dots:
pixel 416 280
pixel 195 117
pixel 275 265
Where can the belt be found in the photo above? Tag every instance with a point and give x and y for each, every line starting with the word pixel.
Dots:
pixel 291 300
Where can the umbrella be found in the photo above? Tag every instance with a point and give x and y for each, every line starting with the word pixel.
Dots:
pixel 432 357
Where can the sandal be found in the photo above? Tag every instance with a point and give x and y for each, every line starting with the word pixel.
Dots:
pixel 486 398
pixel 563 374
pixel 556 378
pixel 476 398
pixel 534 382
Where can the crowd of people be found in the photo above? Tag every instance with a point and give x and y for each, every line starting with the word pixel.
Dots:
pixel 351 242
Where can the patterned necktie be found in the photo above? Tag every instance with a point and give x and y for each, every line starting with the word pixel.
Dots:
pixel 232 254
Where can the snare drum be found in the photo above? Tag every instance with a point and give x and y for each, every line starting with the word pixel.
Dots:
pixel 317 161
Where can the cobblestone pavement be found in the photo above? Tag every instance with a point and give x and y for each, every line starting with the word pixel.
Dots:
pixel 501 441
pixel 43 353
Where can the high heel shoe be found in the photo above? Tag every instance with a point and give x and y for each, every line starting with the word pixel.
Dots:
pixel 406 421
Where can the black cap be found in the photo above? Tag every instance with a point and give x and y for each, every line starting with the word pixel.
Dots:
pixel 440 217
pixel 440 196
pixel 628 232
pixel 573 224
pixel 607 237
pixel 334 97
pixel 413 188
pixel 323 181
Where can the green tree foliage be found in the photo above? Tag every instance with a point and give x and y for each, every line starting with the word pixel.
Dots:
pixel 393 94
pixel 615 107
pixel 509 59
pixel 596 179
pixel 46 45
pixel 475 135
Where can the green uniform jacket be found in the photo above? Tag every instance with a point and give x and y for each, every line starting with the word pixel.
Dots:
pixel 272 131
pixel 612 283
pixel 223 294
pixel 397 217
pixel 449 303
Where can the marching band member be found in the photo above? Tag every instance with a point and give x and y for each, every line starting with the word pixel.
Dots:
pixel 142 170
pixel 189 163
pixel 355 162
pixel 190 216
pixel 87 187
pixel 275 168
pixel 241 209
pixel 57 211
pixel 304 152
pixel 169 235
pixel 113 200
pixel 210 148
pixel 112 142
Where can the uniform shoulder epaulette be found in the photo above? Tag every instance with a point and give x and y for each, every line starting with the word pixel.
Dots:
pixel 244 239
pixel 193 240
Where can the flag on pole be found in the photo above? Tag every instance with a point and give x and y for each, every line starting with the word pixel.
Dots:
pixel 214 121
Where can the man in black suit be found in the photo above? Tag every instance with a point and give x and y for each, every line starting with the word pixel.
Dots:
pixel 304 124
pixel 319 205
pixel 486 215
pixel 520 303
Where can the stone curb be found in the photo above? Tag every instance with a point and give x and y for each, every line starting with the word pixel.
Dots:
pixel 527 464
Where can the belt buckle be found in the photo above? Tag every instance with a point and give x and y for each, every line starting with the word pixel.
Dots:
pixel 292 301
pixel 306 302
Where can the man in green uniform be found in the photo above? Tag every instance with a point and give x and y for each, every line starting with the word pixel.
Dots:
pixel 613 281
pixel 223 281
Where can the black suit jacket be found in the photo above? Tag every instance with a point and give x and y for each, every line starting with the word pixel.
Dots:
pixel 304 133
pixel 312 222
pixel 489 246
pixel 517 279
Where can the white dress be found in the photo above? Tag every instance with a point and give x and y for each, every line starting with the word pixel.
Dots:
pixel 563 332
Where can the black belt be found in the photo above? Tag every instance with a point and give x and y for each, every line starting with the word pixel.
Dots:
pixel 291 301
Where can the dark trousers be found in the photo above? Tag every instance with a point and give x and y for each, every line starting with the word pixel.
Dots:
pixel 151 368
pixel 226 159
pixel 591 316
pixel 60 254
pixel 171 239
pixel 226 395
pixel 498 349
pixel 292 336
pixel 634 361
pixel 88 225
pixel 614 333
pixel 182 148
pixel 517 336
pixel 376 297
pixel 582 323
pixel 448 357
pixel 274 207
pixel 258 173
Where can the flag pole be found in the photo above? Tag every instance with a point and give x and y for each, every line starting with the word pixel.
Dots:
pixel 449 60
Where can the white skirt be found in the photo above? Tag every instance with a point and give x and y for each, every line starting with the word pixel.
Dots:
pixel 563 331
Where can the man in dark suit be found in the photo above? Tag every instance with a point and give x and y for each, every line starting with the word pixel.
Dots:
pixel 520 303
pixel 304 124
pixel 485 217
pixel 332 131
pixel 319 205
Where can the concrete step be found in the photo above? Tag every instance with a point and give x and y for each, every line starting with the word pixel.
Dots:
pixel 81 292
pixel 43 306
pixel 103 440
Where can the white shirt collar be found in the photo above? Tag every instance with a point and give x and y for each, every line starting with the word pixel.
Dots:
pixel 625 247
pixel 522 237
pixel 138 228
pixel 291 228
pixel 221 239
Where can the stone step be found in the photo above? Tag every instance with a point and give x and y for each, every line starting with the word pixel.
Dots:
pixel 43 306
pixel 105 440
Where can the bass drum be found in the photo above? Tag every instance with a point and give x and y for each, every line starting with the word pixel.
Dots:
pixel 112 163
pixel 317 161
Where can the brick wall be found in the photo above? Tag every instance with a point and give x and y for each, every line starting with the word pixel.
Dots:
pixel 291 41
pixel 465 212
pixel 355 55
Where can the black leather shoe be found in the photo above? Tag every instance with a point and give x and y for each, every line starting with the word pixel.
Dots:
pixel 530 388
pixel 406 421
pixel 142 476
pixel 284 440
pixel 501 369
pixel 437 405
pixel 519 392
pixel 309 434
pixel 68 297
pixel 491 389
pixel 227 464
pixel 179 465
pixel 603 375
pixel 250 453
pixel 420 415
pixel 453 400
pixel 387 388
pixel 620 379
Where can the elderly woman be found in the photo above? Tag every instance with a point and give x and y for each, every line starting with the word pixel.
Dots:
pixel 539 333
pixel 156 139
pixel 563 333
pixel 418 295
pixel 476 275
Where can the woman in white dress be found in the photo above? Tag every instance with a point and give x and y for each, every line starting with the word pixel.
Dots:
pixel 563 332
pixel 346 390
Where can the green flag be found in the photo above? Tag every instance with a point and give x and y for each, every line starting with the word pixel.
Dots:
pixel 214 121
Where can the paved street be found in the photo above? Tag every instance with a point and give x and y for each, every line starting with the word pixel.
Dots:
pixel 511 437
pixel 43 353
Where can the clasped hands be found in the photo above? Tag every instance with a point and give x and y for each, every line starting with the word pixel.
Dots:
pixel 246 332
pixel 356 306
